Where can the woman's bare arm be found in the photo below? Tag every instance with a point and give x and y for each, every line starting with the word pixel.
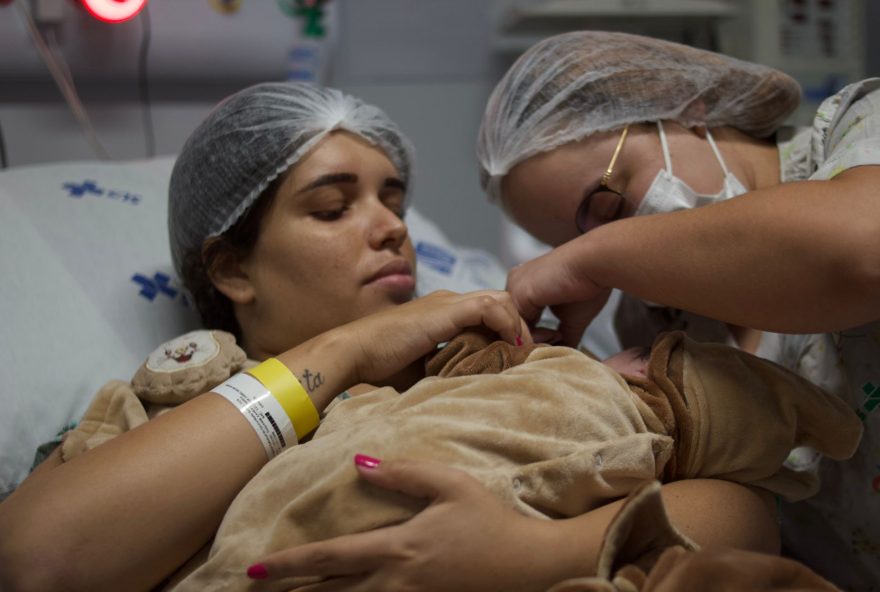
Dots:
pixel 125 514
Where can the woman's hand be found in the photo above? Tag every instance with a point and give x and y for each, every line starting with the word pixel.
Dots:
pixel 554 280
pixel 394 338
pixel 464 540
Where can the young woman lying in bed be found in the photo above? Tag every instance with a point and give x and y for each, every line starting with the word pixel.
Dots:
pixel 286 222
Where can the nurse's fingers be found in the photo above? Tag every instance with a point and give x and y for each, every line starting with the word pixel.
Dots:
pixel 349 555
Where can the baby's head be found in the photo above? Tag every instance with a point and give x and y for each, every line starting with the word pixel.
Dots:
pixel 632 361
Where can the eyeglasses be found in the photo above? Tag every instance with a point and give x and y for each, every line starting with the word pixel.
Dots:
pixel 602 204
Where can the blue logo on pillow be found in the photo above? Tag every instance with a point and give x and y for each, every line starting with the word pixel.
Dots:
pixel 435 257
pixel 160 283
pixel 90 187
pixel 87 186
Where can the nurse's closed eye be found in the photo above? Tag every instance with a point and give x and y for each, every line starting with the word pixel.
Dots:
pixel 605 206
pixel 599 207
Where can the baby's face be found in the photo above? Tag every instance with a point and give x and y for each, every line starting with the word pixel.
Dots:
pixel 633 361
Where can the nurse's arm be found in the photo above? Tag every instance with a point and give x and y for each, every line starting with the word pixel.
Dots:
pixel 798 257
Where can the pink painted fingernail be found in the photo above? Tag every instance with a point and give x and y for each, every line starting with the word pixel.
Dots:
pixel 257 571
pixel 367 462
pixel 518 340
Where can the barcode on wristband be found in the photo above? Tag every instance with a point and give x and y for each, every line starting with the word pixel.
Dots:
pixel 261 409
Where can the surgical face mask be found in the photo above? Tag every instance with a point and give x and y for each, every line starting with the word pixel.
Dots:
pixel 668 193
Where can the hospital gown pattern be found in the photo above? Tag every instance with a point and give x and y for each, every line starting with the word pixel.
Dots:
pixel 837 532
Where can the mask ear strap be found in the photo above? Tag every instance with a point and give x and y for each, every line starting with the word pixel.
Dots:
pixel 716 151
pixel 665 147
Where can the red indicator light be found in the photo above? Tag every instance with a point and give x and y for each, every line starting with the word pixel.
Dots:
pixel 114 11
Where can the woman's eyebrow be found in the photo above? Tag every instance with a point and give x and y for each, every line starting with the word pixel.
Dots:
pixel 330 179
pixel 395 182
pixel 334 178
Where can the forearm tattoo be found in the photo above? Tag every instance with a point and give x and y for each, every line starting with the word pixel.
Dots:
pixel 312 381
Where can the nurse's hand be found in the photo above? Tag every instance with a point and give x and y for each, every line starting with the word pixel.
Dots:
pixel 392 339
pixel 554 280
pixel 465 540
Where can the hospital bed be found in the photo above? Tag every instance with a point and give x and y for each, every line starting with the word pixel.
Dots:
pixel 88 290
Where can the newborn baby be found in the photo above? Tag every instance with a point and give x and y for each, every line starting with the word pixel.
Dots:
pixel 550 430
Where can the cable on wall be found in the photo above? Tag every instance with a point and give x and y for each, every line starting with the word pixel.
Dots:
pixel 55 48
pixel 144 82
pixel 4 162
pixel 61 74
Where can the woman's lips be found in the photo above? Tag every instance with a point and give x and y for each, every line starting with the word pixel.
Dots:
pixel 396 275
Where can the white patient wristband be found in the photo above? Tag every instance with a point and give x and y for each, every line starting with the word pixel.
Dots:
pixel 273 402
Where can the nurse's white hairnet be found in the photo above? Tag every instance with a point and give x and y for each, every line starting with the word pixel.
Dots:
pixel 573 85
pixel 251 138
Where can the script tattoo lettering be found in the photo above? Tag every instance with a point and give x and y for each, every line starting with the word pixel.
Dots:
pixel 312 381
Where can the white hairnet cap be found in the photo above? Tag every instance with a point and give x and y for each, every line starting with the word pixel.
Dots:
pixel 573 85
pixel 251 138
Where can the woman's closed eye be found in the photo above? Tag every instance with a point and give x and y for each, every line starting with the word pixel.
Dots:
pixel 396 206
pixel 330 214
pixel 329 204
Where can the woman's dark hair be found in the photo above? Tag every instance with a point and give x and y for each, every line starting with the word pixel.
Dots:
pixel 215 309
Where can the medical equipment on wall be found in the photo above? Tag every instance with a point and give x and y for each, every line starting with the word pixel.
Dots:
pixel 521 23
pixel 821 43
pixel 91 55
pixel 109 11
pixel 41 13
pixel 43 17
pixel 114 11
pixel 308 56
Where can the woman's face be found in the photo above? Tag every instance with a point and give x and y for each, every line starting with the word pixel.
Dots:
pixel 543 193
pixel 332 247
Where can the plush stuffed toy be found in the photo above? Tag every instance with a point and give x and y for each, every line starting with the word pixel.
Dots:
pixel 187 366
pixel 174 373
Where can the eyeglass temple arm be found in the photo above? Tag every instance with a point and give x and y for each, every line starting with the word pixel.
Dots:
pixel 607 175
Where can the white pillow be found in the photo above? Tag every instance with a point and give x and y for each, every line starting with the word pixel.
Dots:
pixel 88 289
pixel 445 266
pixel 88 292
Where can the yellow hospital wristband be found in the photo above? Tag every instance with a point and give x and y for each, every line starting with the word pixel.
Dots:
pixel 293 398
